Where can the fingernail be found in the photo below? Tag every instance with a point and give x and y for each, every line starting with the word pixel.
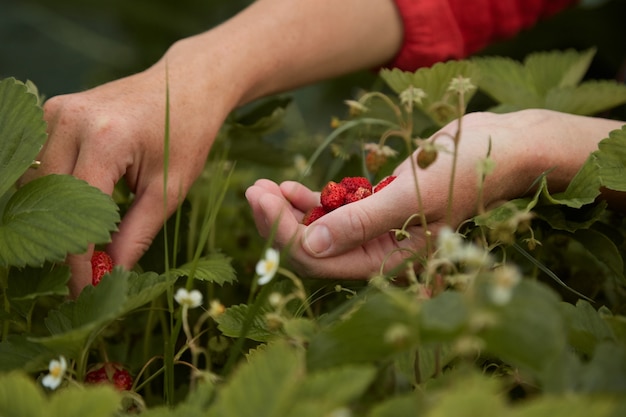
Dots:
pixel 317 239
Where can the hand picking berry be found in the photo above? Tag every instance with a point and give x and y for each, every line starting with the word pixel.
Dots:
pixel 101 264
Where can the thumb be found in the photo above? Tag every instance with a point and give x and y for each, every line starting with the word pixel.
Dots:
pixel 354 224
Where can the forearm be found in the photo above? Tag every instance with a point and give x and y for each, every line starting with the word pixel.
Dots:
pixel 277 45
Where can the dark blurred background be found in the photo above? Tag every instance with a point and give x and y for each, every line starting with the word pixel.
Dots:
pixel 69 45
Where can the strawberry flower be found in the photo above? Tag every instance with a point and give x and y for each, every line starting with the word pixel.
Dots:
pixel 505 279
pixel 267 267
pixel 189 299
pixel 56 370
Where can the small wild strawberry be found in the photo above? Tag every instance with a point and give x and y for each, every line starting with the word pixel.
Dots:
pixel 96 376
pixel 374 161
pixel 110 373
pixel 359 194
pixel 122 380
pixel 425 157
pixel 384 182
pixel 351 184
pixel 101 264
pixel 313 214
pixel 332 196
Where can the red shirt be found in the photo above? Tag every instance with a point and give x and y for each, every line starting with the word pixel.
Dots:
pixel 437 30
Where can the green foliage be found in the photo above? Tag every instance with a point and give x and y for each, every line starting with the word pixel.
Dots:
pixel 537 327
pixel 550 80
pixel 37 221
pixel 19 396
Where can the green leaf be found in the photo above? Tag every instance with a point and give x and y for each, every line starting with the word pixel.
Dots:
pixel 74 323
pixel 587 99
pixel 530 331
pixel 444 316
pixel 507 82
pixel 30 283
pixel 142 288
pixel 469 396
pixel 18 352
pixel 325 391
pixel 263 387
pixel 585 326
pixel 611 157
pixel 95 401
pixel 406 405
pixel 558 68
pixel 362 336
pixel 52 216
pixel 215 267
pixel 602 248
pixel 548 80
pixel 606 372
pixel 20 397
pixel 566 406
pixel 231 323
pixel 434 81
pixel 22 131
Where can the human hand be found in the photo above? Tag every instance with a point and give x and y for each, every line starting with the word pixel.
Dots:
pixel 117 131
pixel 354 240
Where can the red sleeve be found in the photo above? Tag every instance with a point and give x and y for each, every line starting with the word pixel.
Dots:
pixel 437 30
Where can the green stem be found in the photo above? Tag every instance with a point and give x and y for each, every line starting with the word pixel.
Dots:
pixel 455 153
pixel 4 284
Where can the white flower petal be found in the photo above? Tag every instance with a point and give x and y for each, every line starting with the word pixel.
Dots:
pixel 191 299
pixel 56 370
pixel 266 268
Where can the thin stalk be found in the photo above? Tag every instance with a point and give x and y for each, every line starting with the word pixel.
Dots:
pixel 4 284
pixel 455 154
pixel 169 345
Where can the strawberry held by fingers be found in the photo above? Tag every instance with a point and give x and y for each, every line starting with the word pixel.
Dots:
pixel 101 264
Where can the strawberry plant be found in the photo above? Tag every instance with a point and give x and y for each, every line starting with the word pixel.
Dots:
pixel 518 312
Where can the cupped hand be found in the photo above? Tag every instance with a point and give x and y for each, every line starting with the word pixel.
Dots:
pixel 354 240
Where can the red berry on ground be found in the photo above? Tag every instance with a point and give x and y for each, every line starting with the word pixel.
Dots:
pixel 332 196
pixel 385 182
pixel 101 264
pixel 313 214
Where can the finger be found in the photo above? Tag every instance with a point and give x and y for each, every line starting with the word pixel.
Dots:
pixel 300 196
pixel 255 194
pixel 140 225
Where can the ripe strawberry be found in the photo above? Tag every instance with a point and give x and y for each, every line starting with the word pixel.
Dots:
pixel 101 263
pixel 359 194
pixel 332 196
pixel 313 214
pixel 352 184
pixel 122 380
pixel 384 182
pixel 110 372
pixel 97 376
